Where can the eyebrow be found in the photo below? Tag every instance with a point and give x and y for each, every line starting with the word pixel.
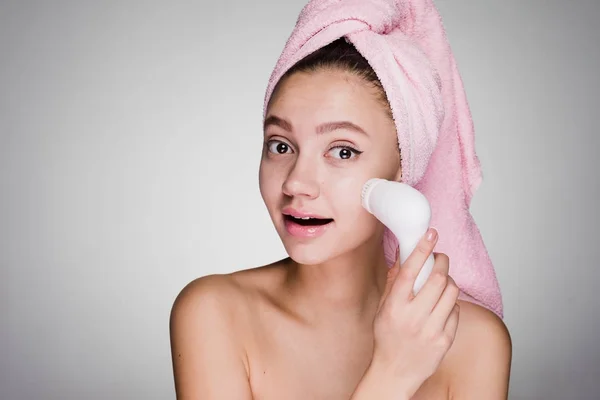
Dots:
pixel 321 129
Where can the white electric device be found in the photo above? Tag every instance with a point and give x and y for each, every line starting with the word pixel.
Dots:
pixel 405 212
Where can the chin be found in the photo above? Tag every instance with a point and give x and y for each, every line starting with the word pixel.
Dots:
pixel 308 255
pixel 308 251
pixel 317 251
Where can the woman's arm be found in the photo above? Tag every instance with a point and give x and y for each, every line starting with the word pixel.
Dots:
pixel 208 358
pixel 480 360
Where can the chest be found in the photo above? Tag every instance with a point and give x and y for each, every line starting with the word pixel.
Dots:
pixel 297 364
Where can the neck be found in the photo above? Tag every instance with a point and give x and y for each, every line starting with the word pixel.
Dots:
pixel 347 286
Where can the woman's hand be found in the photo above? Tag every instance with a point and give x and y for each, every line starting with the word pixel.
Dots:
pixel 413 333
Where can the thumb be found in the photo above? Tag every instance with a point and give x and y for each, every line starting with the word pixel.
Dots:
pixel 390 279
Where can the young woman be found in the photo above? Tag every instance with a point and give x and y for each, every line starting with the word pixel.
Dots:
pixel 333 321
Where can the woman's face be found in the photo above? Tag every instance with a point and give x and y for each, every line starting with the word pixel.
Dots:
pixel 326 133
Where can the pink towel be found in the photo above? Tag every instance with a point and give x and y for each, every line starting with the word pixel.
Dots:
pixel 405 43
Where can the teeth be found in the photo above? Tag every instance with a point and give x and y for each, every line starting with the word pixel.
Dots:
pixel 303 218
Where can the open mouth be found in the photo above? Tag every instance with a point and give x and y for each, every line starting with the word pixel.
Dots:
pixel 308 221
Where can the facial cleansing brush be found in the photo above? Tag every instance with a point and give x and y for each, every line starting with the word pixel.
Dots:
pixel 406 212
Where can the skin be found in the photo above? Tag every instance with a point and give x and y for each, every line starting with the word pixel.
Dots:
pixel 302 327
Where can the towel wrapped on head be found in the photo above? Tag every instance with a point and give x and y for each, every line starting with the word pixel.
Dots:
pixel 405 43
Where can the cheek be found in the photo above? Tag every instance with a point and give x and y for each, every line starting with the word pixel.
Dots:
pixel 388 164
pixel 355 223
pixel 270 180
pixel 347 190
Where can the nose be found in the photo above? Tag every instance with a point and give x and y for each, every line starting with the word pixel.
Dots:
pixel 302 180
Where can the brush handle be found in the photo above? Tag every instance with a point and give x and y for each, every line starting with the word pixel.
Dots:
pixel 423 274
pixel 408 241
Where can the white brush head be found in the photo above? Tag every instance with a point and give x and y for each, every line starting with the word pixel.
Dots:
pixel 366 191
pixel 396 204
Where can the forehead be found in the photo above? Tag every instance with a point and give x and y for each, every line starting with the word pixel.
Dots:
pixel 327 95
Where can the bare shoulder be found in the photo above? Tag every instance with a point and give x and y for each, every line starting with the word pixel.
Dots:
pixel 223 296
pixel 478 363
pixel 208 328
pixel 208 294
pixel 206 352
pixel 206 301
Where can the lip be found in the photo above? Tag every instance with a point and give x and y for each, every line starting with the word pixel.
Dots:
pixel 301 214
pixel 305 231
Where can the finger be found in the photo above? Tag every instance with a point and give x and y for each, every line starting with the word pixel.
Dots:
pixel 452 322
pixel 436 284
pixel 440 314
pixel 403 285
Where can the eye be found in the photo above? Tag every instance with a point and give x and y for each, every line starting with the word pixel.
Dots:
pixel 344 152
pixel 278 147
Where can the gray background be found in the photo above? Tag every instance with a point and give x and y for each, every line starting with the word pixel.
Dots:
pixel 129 145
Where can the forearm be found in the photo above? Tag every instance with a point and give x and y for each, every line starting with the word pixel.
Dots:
pixel 378 384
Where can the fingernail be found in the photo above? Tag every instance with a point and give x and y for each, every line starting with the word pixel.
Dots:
pixel 431 234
